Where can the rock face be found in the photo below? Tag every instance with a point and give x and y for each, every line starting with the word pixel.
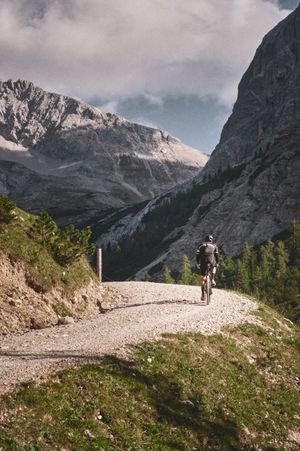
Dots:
pixel 249 189
pixel 74 160
pixel 268 103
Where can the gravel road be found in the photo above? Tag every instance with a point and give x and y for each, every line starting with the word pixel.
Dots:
pixel 146 311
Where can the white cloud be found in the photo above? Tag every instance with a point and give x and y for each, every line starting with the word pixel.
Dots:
pixel 110 107
pixel 154 100
pixel 142 121
pixel 125 48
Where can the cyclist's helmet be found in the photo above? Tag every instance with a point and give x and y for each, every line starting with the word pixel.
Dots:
pixel 209 238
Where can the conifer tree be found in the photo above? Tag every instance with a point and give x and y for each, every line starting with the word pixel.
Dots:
pixel 146 277
pixel 226 271
pixel 294 244
pixel 73 244
pixel 238 282
pixel 281 260
pixel 6 209
pixel 267 260
pixel 167 276
pixel 44 229
pixel 246 267
pixel 186 272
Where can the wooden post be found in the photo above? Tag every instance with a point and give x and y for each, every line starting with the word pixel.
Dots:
pixel 99 263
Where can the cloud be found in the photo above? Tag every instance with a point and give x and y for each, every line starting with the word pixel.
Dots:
pixel 127 48
pixel 143 121
pixel 111 106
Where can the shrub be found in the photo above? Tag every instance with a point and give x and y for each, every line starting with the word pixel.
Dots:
pixel 7 210
pixel 65 245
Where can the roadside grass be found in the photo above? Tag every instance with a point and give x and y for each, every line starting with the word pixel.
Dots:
pixel 43 273
pixel 237 390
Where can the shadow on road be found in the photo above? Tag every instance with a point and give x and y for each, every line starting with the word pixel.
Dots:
pixel 167 301
pixel 60 355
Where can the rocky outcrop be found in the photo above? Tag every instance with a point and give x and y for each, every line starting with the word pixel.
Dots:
pixel 268 101
pixel 248 191
pixel 74 160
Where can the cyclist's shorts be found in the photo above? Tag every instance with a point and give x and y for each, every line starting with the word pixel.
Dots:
pixel 204 264
pixel 203 269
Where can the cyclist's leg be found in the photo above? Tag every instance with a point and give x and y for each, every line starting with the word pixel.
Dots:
pixel 202 280
pixel 213 275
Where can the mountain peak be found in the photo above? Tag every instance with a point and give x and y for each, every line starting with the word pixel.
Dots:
pixel 268 97
pixel 92 160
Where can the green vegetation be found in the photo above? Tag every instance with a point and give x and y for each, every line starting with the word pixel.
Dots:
pixel 185 277
pixel 7 210
pixel 51 256
pixel 271 272
pixel 65 245
pixel 167 276
pixel 231 391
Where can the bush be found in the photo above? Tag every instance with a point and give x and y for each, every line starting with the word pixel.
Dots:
pixel 65 245
pixel 7 210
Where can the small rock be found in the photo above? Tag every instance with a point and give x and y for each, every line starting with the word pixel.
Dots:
pixel 65 320
pixel 89 434
pixel 15 302
pixel 38 323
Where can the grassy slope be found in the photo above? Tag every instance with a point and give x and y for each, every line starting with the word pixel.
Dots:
pixel 231 391
pixel 44 271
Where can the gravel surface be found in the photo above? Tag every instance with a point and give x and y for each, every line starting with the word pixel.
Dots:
pixel 145 312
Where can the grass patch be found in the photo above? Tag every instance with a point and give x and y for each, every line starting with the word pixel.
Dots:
pixel 231 391
pixel 43 272
pixel 61 309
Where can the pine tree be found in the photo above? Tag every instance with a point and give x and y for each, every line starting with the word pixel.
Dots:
pixel 195 279
pixel 73 244
pixel 167 276
pixel 267 260
pixel 6 210
pixel 238 282
pixel 186 272
pixel 294 244
pixel 246 267
pixel 45 230
pixel 146 277
pixel 281 260
pixel 226 271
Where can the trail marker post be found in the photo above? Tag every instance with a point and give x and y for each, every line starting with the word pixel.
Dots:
pixel 99 263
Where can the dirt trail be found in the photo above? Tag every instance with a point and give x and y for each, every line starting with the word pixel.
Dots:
pixel 147 310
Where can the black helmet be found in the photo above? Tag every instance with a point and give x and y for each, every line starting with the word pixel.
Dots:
pixel 209 238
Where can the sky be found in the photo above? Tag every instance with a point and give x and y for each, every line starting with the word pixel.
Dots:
pixel 163 63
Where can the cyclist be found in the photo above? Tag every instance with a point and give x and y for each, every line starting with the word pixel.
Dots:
pixel 207 252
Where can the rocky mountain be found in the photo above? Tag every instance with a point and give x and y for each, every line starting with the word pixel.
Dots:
pixel 60 154
pixel 250 188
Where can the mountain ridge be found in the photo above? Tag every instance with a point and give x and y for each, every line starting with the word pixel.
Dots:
pixel 114 160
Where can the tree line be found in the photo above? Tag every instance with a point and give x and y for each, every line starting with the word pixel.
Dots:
pixel 269 272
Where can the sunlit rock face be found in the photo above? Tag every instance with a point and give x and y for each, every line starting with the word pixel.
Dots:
pixel 60 154
pixel 250 188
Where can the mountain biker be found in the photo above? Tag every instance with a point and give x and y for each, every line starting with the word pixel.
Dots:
pixel 207 252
